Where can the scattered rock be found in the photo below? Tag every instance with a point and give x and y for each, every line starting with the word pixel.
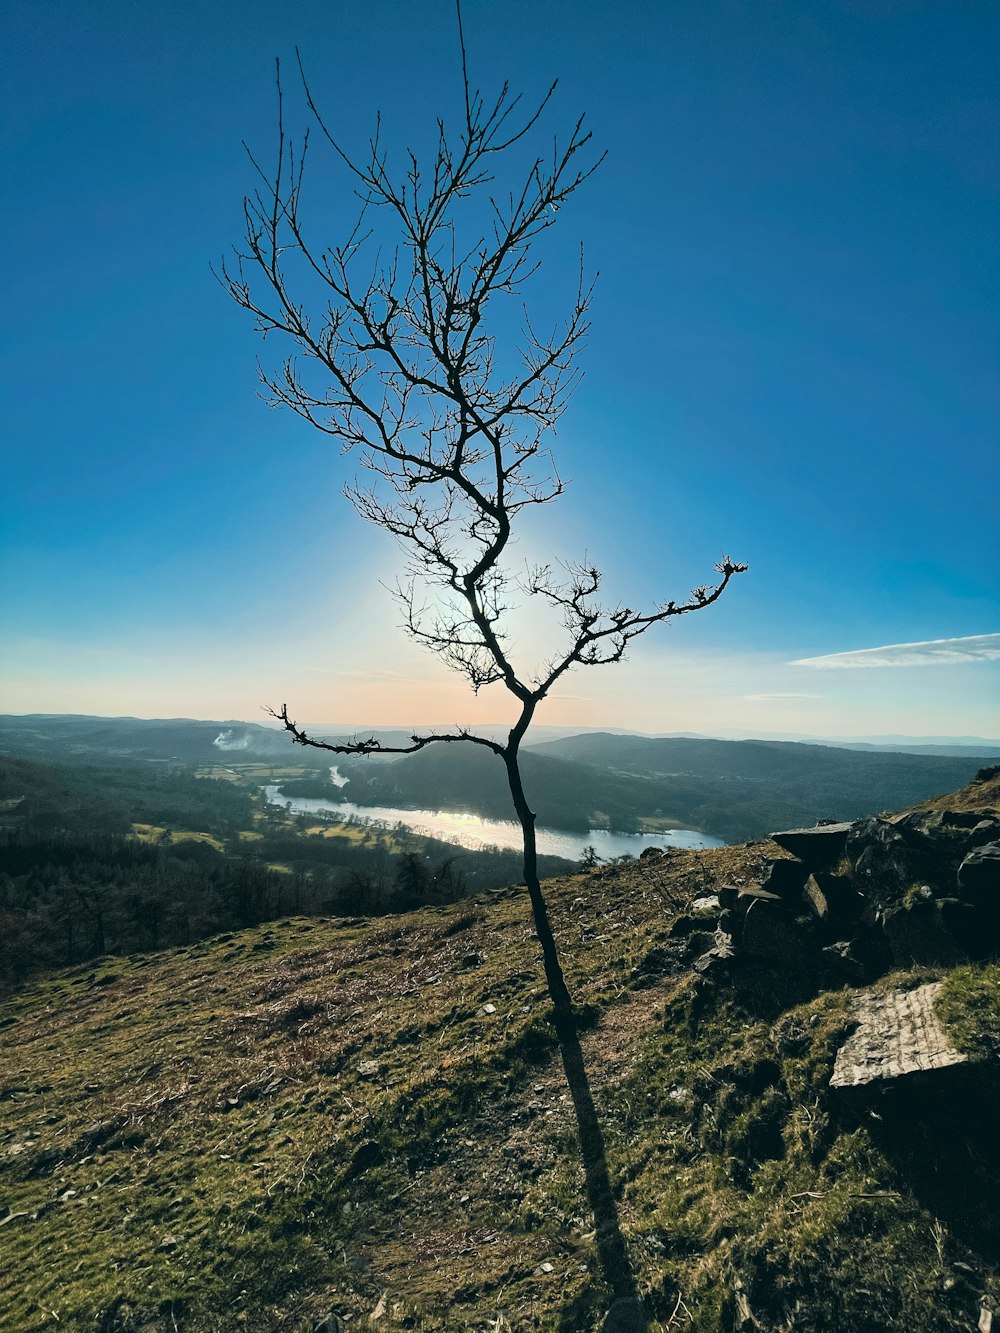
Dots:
pixel 719 958
pixel 705 904
pixel 168 1243
pixel 328 1323
pixel 732 895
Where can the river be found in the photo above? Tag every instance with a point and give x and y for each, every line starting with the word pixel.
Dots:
pixel 475 833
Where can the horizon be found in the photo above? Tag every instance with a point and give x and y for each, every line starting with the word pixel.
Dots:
pixel 363 728
pixel 791 360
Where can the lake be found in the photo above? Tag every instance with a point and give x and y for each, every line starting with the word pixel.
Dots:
pixel 472 831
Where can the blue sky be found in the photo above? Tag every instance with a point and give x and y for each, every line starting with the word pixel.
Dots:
pixel 794 359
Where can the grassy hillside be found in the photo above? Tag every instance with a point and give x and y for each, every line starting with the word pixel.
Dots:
pixel 319 1123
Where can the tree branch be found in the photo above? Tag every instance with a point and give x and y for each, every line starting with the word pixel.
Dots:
pixel 374 746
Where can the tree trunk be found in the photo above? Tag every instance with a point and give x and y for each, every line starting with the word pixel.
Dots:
pixel 610 1241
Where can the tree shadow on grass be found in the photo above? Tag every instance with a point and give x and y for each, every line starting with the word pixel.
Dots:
pixel 626 1313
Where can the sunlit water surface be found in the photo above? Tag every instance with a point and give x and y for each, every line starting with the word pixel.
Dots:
pixel 474 832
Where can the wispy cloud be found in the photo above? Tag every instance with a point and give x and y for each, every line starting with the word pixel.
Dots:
pixel 931 652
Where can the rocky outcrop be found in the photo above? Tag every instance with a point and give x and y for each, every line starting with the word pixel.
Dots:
pixel 917 889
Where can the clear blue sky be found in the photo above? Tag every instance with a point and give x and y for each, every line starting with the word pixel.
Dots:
pixel 794 359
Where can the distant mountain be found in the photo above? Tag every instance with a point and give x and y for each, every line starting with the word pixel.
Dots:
pixel 974 750
pixel 753 759
pixel 71 738
pixel 977 745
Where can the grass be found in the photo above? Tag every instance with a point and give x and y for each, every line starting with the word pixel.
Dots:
pixel 254 773
pixel 661 824
pixel 318 1116
pixel 969 1006
pixel 359 834
pixel 158 833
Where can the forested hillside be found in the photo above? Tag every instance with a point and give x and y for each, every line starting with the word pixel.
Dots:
pixel 117 858
pixel 730 789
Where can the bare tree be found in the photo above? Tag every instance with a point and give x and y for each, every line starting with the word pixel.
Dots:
pixel 396 355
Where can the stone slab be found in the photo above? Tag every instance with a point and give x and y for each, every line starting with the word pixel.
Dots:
pixel 819 847
pixel 898 1034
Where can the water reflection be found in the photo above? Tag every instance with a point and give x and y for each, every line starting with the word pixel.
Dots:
pixel 474 832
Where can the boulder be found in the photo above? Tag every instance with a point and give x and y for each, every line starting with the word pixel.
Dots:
pixel 892 856
pixel 975 928
pixel 979 874
pixel 818 847
pixel 979 822
pixel 770 935
pixel 918 936
pixel 842 897
pixel 786 879
pixel 860 960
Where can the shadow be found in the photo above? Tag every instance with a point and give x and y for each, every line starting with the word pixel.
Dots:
pixel 626 1314
pixel 940 1135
